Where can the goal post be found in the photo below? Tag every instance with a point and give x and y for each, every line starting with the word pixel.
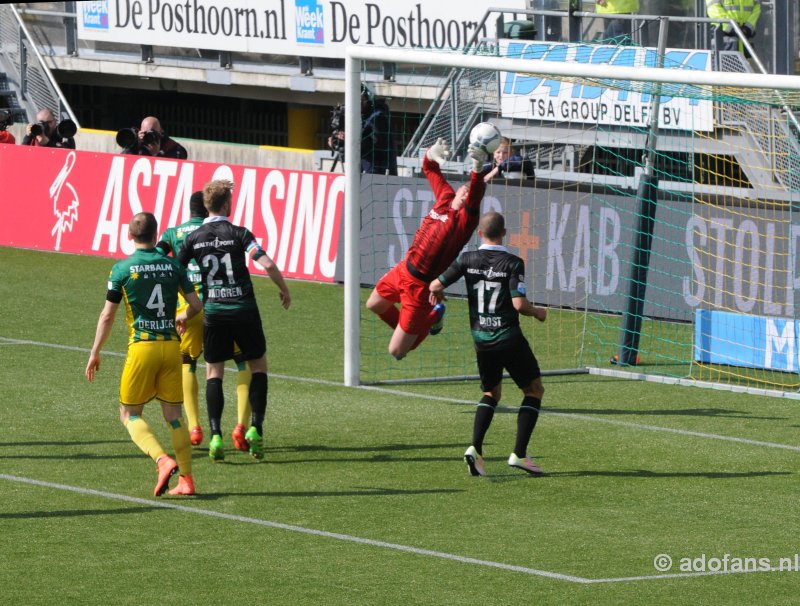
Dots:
pixel 724 260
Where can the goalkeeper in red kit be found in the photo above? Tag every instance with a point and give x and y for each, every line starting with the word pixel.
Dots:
pixel 438 241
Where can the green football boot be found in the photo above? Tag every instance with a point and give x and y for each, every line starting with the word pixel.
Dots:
pixel 255 442
pixel 216 451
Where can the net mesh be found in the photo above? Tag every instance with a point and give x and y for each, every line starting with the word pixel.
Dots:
pixel 656 221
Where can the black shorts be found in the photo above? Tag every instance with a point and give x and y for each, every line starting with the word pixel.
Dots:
pixel 517 358
pixel 222 330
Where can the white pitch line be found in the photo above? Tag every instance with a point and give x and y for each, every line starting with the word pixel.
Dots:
pixel 422 396
pixel 363 541
pixel 383 544
pixel 300 529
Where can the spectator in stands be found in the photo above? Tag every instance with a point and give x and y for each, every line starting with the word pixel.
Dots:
pixel 151 140
pixel 6 120
pixel 744 12
pixel 507 163
pixel 47 132
pixel 617 31
pixel 378 153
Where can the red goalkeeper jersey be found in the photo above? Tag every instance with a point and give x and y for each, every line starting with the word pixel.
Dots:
pixel 444 231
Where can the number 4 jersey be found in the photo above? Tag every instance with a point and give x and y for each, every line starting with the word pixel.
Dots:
pixel 148 282
pixel 221 251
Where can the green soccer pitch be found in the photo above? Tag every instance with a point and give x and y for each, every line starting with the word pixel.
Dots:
pixel 363 497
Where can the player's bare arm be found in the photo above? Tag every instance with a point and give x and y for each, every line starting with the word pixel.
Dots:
pixel 195 307
pixel 104 325
pixel 526 308
pixel 273 272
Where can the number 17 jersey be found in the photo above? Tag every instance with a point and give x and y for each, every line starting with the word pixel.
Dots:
pixel 221 250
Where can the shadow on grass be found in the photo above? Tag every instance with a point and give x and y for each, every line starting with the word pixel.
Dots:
pixel 681 412
pixel 69 513
pixel 513 476
pixel 646 473
pixel 64 443
pixel 372 448
pixel 359 492
pixel 81 456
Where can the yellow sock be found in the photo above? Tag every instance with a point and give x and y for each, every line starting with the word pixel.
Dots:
pixel 190 404
pixel 243 394
pixel 143 437
pixel 182 446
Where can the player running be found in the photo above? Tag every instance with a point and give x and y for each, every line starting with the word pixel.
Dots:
pixel 440 237
pixel 149 283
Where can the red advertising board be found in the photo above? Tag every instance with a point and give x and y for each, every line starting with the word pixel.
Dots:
pixel 81 202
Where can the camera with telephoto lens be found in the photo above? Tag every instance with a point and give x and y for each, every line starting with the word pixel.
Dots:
pixel 337 126
pixel 128 138
pixel 65 129
pixel 6 119
pixel 38 128
pixel 151 136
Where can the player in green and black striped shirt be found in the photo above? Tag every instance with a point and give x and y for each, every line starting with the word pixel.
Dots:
pixel 496 291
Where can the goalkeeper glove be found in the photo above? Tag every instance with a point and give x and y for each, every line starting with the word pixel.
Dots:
pixel 439 151
pixel 478 158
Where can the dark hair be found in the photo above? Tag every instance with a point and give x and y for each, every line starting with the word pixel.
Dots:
pixel 196 206
pixel 492 225
pixel 143 228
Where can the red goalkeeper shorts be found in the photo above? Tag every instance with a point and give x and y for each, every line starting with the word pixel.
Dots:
pixel 399 286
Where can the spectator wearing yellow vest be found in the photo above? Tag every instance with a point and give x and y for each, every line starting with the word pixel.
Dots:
pixel 617 31
pixel 743 12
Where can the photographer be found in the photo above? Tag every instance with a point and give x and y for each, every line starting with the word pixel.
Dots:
pixel 150 140
pixel 46 132
pixel 6 120
pixel 378 155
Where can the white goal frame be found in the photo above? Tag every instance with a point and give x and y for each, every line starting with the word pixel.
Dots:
pixel 356 54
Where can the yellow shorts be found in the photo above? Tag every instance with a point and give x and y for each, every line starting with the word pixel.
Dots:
pixel 192 339
pixel 152 370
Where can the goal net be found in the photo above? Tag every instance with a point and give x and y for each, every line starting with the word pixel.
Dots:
pixel 651 198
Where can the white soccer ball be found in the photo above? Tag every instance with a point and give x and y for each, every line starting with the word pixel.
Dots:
pixel 485 136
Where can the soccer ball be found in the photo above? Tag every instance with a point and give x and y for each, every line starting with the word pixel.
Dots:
pixel 486 137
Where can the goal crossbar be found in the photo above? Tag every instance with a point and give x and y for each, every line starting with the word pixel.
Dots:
pixel 601 72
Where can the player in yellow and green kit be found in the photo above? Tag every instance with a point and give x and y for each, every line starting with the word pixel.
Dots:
pixel 149 284
pixel 192 339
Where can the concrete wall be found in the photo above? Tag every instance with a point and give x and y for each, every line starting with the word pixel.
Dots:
pixel 201 151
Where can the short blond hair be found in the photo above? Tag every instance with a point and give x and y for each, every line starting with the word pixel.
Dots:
pixel 216 193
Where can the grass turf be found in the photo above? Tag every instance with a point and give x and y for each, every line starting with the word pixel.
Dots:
pixel 380 464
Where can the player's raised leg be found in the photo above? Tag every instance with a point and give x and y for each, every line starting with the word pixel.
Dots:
pixel 145 439
pixel 383 307
pixel 179 433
